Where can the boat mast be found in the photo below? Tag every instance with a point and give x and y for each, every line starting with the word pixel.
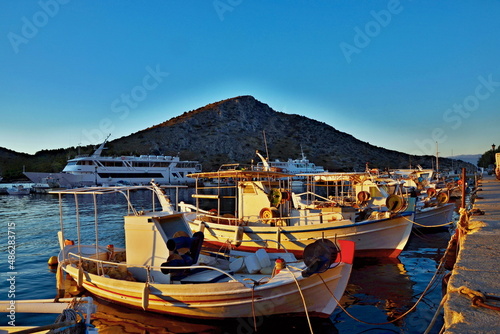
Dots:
pixel 265 144
pixel 437 159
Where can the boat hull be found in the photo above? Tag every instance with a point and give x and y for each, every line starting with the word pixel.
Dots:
pixel 435 217
pixel 375 238
pixel 226 299
pixel 68 180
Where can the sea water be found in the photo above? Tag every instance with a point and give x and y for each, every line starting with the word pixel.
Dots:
pixel 378 290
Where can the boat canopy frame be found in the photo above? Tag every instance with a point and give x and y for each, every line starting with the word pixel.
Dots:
pixel 94 192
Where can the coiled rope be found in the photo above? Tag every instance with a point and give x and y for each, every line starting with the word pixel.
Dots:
pixel 478 299
pixel 68 322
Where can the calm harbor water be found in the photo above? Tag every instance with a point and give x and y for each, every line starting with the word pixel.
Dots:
pixel 378 290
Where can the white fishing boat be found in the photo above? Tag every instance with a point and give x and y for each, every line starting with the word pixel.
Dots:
pixel 433 210
pixel 431 206
pixel 261 211
pixel 419 178
pixel 163 269
pixel 18 190
pixel 297 167
pixel 435 216
pixel 96 169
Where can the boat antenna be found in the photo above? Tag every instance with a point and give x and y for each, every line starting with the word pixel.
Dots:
pixel 302 153
pixel 437 158
pixel 265 143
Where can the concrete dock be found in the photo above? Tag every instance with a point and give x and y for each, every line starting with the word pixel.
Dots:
pixel 477 270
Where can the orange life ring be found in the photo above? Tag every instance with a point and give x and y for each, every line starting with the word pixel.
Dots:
pixel 363 196
pixel 431 192
pixel 268 215
pixel 443 198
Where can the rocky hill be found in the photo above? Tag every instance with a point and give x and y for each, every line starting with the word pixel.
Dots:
pixel 231 131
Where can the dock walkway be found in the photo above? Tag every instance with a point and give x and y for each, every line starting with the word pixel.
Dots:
pixel 477 268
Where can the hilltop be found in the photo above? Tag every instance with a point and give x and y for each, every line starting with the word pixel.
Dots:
pixel 231 131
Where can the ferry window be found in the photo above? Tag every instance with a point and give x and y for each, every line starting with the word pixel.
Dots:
pixel 72 163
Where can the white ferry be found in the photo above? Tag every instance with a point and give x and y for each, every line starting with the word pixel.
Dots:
pixel 89 170
pixel 292 166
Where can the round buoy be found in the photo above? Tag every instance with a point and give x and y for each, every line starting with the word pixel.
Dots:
pixel 395 203
pixel 279 265
pixel 268 215
pixel 443 198
pixel 363 196
pixel 275 197
pixel 68 242
pixel 52 261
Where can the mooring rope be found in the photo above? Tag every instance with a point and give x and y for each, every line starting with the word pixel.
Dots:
pixel 433 280
pixel 303 299
pixel 477 297
pixel 442 225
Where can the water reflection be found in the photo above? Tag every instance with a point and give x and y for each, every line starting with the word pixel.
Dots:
pixel 382 290
pixel 379 291
pixel 114 319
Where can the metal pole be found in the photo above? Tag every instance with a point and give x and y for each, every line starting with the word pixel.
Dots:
pixel 96 230
pixel 464 175
pixel 61 242
pixel 78 226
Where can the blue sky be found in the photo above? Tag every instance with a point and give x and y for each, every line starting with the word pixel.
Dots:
pixel 403 75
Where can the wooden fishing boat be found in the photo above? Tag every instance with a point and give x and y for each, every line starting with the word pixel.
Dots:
pixel 430 205
pixel 260 210
pixel 164 269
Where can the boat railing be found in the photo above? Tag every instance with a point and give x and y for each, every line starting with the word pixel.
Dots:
pixel 282 221
pixel 280 245
pixel 101 265
pixel 331 199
